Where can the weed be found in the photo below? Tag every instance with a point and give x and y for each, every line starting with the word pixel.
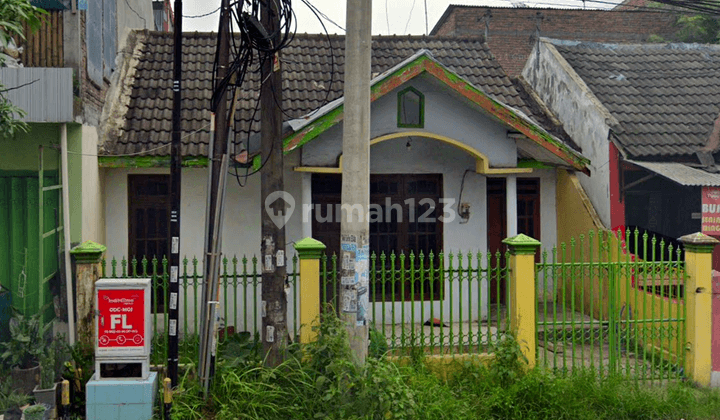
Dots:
pixel 378 343
pixel 510 363
pixel 323 381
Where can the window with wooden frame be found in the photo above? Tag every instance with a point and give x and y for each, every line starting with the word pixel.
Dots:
pixel 149 224
pixel 411 108
pixel 409 219
pixel 405 216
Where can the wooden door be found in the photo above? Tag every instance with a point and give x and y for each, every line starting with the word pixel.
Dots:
pixel 496 228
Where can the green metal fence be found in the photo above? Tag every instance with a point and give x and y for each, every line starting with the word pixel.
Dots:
pixel 439 303
pixel 604 308
pixel 457 306
pixel 240 298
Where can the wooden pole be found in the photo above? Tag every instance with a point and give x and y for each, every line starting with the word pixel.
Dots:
pixel 272 199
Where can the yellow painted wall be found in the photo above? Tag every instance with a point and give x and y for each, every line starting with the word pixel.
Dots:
pixel 589 283
pixel 576 214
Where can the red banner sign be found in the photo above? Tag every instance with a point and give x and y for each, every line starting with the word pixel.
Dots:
pixel 711 210
pixel 121 321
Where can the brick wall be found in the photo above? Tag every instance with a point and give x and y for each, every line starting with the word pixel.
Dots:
pixel 512 31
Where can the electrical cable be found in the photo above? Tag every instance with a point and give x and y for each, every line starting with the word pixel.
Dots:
pixel 203 15
pixel 409 17
pixel 319 13
pixel 328 91
pixel 252 46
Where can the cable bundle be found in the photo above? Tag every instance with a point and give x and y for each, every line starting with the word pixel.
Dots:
pixel 250 42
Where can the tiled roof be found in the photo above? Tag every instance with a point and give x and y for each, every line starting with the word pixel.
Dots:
pixel 146 111
pixel 664 96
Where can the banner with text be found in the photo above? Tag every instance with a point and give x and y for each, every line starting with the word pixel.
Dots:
pixel 711 210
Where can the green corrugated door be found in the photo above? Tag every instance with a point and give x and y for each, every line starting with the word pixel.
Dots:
pixel 20 237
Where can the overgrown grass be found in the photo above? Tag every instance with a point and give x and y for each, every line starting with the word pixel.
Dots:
pixel 323 382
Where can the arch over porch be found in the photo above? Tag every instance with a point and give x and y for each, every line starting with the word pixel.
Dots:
pixel 482 163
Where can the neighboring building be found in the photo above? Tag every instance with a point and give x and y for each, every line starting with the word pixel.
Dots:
pixel 61 80
pixel 644 115
pixel 163 15
pixel 512 33
pixel 447 123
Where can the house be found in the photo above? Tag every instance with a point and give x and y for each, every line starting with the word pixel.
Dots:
pixel 647 117
pixel 60 78
pixel 512 32
pixel 448 129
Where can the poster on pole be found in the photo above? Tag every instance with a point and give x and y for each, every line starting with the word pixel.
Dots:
pixel 711 210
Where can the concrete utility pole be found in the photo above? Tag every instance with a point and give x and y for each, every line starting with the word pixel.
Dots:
pixel 272 248
pixel 354 226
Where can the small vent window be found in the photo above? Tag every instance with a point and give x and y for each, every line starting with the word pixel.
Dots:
pixel 411 104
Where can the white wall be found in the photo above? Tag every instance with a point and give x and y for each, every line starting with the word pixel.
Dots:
pixel 583 117
pixel 241 221
pixel 92 195
pixel 133 14
pixel 241 232
pixel 446 113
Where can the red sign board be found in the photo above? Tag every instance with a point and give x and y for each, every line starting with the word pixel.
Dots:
pixel 711 210
pixel 121 321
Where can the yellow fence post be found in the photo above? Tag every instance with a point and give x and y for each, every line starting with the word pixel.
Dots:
pixel 698 298
pixel 522 297
pixel 309 252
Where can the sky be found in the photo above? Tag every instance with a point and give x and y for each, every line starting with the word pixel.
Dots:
pixel 390 17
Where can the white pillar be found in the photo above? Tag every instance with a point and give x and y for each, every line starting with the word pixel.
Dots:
pixel 307 213
pixel 511 205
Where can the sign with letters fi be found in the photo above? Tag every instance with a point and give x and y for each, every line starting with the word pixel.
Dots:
pixel 711 210
pixel 122 325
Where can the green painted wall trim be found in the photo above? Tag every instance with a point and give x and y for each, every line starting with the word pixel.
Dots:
pixel 534 164
pixel 75 179
pixel 522 244
pixel 32 174
pixel 149 161
pixel 296 140
pixel 309 249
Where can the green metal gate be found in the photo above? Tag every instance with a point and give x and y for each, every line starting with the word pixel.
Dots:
pixel 612 303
